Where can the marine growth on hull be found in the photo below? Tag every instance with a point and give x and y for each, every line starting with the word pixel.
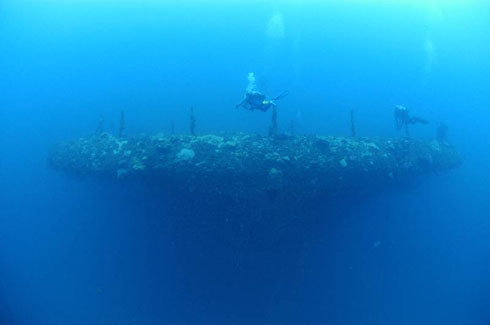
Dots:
pixel 250 167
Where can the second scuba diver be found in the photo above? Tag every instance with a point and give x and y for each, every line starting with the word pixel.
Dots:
pixel 403 118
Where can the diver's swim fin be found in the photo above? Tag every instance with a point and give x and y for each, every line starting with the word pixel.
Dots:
pixel 282 95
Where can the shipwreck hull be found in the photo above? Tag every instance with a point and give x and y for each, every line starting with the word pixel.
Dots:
pixel 250 190
pixel 254 168
pixel 247 207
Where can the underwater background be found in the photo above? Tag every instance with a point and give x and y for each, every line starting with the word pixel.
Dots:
pixel 80 251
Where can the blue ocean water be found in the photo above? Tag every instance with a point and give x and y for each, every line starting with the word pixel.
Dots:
pixel 80 251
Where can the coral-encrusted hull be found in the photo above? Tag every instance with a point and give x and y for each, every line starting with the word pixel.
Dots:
pixel 245 166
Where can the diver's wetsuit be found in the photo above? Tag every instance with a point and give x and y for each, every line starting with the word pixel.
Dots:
pixel 403 119
pixel 256 100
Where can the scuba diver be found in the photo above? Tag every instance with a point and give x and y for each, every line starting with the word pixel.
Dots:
pixel 254 100
pixel 403 118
